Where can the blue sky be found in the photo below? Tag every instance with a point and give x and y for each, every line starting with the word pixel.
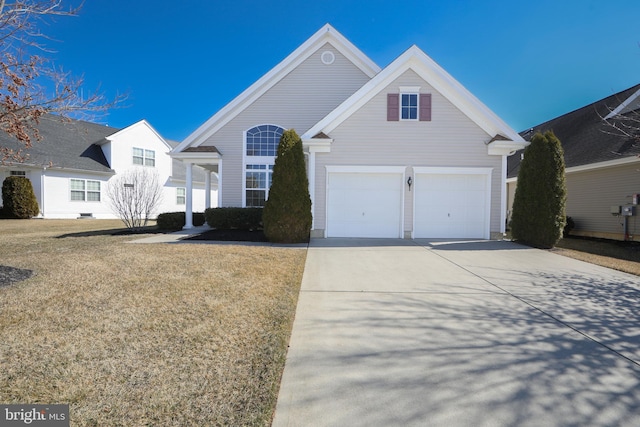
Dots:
pixel 182 61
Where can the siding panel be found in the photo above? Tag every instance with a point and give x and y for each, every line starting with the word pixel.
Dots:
pixel 298 101
pixel 450 139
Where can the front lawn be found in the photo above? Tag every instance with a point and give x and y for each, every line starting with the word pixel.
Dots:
pixel 623 256
pixel 132 334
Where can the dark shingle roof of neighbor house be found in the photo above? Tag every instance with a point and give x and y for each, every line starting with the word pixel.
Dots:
pixel 585 138
pixel 70 144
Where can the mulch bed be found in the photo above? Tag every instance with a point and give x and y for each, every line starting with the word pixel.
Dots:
pixel 9 275
pixel 231 236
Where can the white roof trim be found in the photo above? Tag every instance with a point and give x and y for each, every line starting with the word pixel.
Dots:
pixel 142 122
pixel 594 166
pixel 416 60
pixel 620 108
pixel 603 165
pixel 327 34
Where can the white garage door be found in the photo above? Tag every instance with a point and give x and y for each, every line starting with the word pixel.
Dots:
pixel 364 204
pixel 451 206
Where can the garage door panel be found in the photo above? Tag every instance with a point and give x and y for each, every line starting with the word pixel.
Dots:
pixel 450 206
pixel 364 205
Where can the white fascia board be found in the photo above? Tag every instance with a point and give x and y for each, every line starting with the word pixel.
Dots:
pixel 594 166
pixel 603 165
pixel 620 108
pixel 142 122
pixel 416 60
pixel 505 148
pixel 317 145
pixel 327 34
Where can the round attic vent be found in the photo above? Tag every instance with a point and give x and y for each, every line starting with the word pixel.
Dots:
pixel 327 57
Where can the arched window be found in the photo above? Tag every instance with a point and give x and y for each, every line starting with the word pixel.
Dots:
pixel 261 144
pixel 263 140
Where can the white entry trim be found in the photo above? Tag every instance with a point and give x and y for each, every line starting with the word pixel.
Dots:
pixel 459 171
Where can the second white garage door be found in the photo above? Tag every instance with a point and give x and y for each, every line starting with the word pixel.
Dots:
pixel 452 205
pixel 364 204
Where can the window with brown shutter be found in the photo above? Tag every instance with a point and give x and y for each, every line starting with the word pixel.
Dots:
pixel 393 107
pixel 425 107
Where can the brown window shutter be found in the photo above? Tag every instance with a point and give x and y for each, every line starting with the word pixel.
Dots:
pixel 393 107
pixel 425 107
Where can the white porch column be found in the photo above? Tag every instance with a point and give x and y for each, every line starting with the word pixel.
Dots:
pixel 503 196
pixel 207 189
pixel 220 183
pixel 189 202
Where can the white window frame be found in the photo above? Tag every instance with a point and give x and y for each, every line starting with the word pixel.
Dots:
pixel 248 161
pixel 146 157
pixel 409 91
pixel 182 196
pixel 85 190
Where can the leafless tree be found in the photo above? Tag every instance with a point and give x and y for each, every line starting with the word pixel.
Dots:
pixel 625 125
pixel 135 195
pixel 30 84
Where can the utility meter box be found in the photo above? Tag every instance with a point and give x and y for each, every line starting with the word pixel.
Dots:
pixel 615 210
pixel 628 210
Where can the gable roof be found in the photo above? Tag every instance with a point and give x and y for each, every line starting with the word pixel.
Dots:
pixel 141 123
pixel 585 137
pixel 416 60
pixel 327 34
pixel 69 144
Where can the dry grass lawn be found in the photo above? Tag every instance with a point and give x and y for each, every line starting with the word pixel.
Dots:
pixel 622 256
pixel 132 335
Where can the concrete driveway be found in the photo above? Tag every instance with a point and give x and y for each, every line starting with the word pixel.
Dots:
pixel 398 333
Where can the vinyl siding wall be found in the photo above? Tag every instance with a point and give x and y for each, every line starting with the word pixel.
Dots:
pixel 297 102
pixel 450 139
pixel 590 195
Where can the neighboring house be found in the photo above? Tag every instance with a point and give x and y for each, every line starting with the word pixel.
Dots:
pixel 602 166
pixel 71 166
pixel 403 151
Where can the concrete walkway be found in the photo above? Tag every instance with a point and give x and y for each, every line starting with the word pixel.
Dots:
pixel 400 333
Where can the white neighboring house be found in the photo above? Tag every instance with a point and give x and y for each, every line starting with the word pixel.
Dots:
pixel 70 168
pixel 400 152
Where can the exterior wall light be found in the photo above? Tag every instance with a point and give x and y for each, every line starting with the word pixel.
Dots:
pixel 409 182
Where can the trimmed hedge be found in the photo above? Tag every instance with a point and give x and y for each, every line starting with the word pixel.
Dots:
pixel 176 220
pixel 234 218
pixel 538 215
pixel 19 199
pixel 287 211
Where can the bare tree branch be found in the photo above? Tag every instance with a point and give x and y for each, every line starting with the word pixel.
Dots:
pixel 30 85
pixel 135 195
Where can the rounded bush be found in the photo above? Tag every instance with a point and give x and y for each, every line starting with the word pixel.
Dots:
pixel 18 198
pixel 287 212
pixel 234 218
pixel 174 221
pixel 539 204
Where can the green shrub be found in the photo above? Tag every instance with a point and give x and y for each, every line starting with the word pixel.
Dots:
pixel 287 212
pixel 234 218
pixel 174 221
pixel 539 204
pixel 18 198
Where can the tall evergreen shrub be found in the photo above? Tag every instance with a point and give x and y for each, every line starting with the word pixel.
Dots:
pixel 539 204
pixel 287 212
pixel 18 198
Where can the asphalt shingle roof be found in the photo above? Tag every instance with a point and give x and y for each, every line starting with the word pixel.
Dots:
pixel 66 144
pixel 585 138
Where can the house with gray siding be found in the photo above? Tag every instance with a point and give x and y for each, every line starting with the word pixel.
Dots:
pixel 602 165
pixel 403 151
